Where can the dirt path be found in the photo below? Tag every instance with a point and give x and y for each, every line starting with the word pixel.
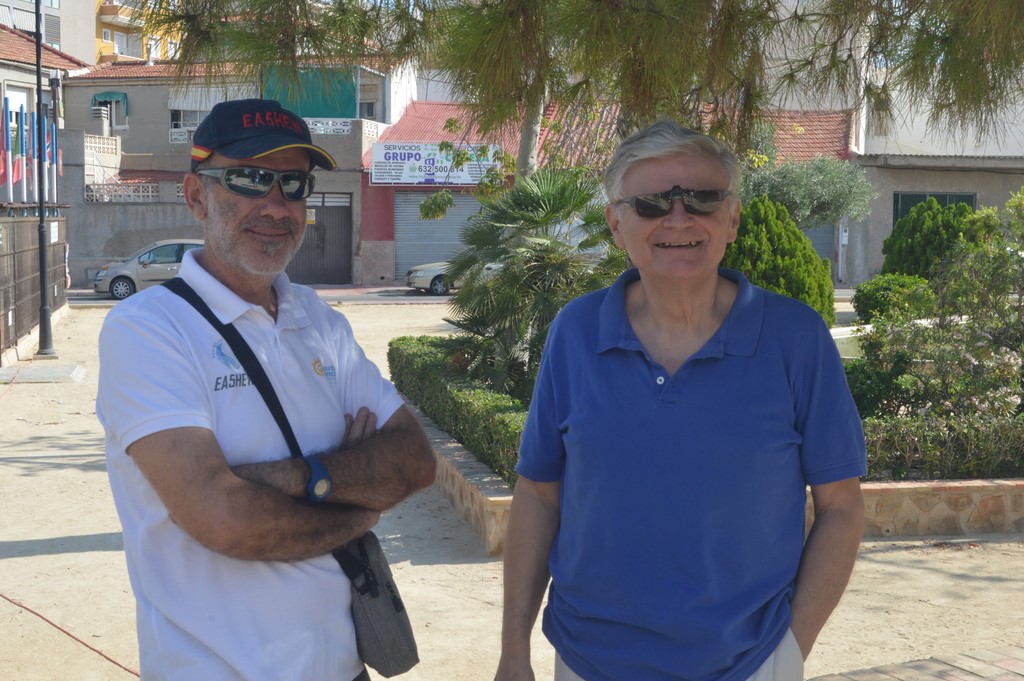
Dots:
pixel 61 553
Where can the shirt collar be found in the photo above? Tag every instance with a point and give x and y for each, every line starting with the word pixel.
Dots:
pixel 738 334
pixel 228 306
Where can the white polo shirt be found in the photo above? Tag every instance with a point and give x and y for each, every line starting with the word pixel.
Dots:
pixel 201 614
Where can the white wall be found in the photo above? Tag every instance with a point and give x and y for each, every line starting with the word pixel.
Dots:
pixel 401 89
pixel 432 86
pixel 910 134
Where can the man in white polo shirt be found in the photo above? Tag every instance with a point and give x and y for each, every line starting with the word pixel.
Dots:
pixel 228 539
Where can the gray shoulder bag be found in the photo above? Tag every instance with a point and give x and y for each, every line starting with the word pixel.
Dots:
pixel 384 635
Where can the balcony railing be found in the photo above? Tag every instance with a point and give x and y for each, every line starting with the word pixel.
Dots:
pixel 123 14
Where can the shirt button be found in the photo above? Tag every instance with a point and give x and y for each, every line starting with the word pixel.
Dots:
pixel 661 380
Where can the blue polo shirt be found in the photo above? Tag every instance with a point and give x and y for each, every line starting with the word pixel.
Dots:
pixel 683 496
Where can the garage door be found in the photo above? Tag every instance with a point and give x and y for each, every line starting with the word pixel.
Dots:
pixel 824 241
pixel 421 241
pixel 325 256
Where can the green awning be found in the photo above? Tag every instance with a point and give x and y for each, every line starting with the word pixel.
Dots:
pixel 112 97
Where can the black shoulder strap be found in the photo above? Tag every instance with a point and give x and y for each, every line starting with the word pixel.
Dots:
pixel 245 355
pixel 356 567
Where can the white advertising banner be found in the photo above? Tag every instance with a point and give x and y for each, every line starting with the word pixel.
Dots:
pixel 419 163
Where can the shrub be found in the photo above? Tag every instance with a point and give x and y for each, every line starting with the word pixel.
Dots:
pixel 430 371
pixel 963 447
pixel 817 192
pixel 550 238
pixel 966 360
pixel 926 235
pixel 773 253
pixel 888 294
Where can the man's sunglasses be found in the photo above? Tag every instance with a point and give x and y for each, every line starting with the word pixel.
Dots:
pixel 695 201
pixel 256 182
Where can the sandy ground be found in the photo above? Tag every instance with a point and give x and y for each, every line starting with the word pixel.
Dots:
pixel 67 612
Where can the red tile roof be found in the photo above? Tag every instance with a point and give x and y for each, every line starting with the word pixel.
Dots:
pixel 803 135
pixel 579 135
pixel 19 47
pixel 139 69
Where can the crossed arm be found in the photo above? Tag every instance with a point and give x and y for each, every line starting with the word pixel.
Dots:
pixel 258 511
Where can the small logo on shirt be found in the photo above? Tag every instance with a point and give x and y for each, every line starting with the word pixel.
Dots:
pixel 225 357
pixel 328 371
pixel 236 380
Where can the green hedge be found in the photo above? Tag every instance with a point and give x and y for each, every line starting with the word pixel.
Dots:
pixel 948 449
pixel 490 424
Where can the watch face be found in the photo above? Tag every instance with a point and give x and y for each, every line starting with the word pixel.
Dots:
pixel 322 487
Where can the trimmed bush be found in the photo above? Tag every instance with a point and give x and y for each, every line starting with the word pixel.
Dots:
pixel 926 235
pixel 921 448
pixel 773 253
pixel 887 294
pixel 427 370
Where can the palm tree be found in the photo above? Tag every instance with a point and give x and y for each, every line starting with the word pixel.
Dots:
pixel 547 242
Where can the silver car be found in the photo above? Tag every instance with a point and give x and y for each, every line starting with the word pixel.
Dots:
pixel 150 266
pixel 431 277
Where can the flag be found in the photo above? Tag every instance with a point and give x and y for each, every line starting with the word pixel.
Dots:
pixel 18 149
pixel 22 159
pixel 5 144
pixel 51 159
pixel 32 169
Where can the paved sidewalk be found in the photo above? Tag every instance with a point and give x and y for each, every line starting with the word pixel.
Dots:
pixel 1001 664
pixel 67 613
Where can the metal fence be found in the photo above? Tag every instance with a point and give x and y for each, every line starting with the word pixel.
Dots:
pixel 19 273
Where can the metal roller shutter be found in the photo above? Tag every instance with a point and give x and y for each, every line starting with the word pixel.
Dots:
pixel 418 242
pixel 824 241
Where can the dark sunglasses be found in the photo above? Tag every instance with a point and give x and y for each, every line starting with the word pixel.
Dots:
pixel 695 201
pixel 256 182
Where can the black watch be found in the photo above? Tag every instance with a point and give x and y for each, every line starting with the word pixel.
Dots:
pixel 320 483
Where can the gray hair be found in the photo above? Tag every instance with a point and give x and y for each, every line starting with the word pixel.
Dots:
pixel 665 139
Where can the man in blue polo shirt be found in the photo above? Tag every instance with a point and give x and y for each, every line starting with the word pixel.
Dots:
pixel 677 419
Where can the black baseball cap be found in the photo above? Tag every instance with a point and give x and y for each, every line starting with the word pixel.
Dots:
pixel 251 128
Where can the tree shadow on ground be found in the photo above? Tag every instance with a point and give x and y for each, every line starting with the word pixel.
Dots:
pixel 55 546
pixel 39 464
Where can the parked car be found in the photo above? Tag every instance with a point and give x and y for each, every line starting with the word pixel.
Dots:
pixel 431 277
pixel 150 266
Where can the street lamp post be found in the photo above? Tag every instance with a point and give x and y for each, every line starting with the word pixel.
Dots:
pixel 45 332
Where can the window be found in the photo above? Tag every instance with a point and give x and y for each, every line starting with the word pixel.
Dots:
pixel 106 35
pixel 167 254
pixel 53 3
pixel 134 46
pixel 186 119
pixel 153 48
pixel 116 105
pixel 120 43
pixel 368 110
pixel 902 202
pixel 172 49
